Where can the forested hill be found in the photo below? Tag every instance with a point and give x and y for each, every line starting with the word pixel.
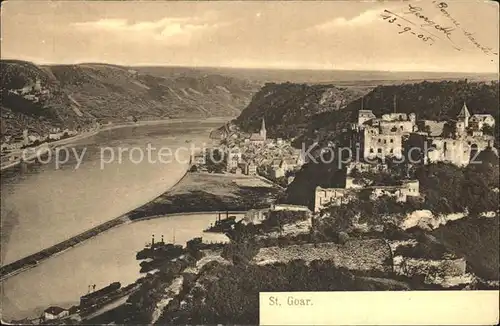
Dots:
pixel 299 110
pixel 289 107
pixel 76 95
pixel 428 100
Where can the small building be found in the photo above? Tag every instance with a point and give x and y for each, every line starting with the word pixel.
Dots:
pixel 232 162
pixel 55 136
pixel 277 169
pixel 34 138
pixel 332 196
pixel 256 216
pixel 55 312
pixel 478 121
pixel 249 168
pixel 199 159
pixel 364 116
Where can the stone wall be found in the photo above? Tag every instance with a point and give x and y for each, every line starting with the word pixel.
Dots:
pixel 420 266
pixel 372 254
pixel 336 196
pixel 425 220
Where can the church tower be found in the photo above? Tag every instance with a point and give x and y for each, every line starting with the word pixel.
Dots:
pixel 263 129
pixel 464 115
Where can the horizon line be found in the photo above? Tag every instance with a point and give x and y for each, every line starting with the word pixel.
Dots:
pixel 166 65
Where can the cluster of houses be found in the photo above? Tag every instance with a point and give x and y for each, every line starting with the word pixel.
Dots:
pixel 255 153
pixel 32 91
pixel 26 139
pixel 396 135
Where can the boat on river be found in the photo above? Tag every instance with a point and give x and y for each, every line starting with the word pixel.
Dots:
pixel 222 225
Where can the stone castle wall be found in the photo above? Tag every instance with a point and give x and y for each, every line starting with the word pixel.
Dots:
pixel 365 255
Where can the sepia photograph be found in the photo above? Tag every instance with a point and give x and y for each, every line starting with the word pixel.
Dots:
pixel 249 162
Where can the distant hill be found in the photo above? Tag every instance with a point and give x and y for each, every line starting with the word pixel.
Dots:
pixel 288 108
pixel 337 77
pixel 428 100
pixel 76 95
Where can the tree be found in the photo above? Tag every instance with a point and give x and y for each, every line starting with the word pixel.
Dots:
pixel 240 252
pixel 449 129
pixel 488 130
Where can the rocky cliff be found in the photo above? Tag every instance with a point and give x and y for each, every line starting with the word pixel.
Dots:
pixel 41 97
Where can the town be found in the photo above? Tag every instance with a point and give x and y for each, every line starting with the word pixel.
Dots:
pixel 253 154
pixel 376 141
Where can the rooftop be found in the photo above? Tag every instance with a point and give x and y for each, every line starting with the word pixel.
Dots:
pixel 54 310
pixel 257 137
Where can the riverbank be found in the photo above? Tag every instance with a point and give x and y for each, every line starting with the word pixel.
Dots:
pixel 36 258
pixel 67 141
pixel 32 260
pixel 106 258
pixel 231 193
pixel 50 146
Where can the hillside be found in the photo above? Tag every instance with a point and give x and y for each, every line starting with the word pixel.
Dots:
pixel 312 112
pixel 288 107
pixel 284 107
pixel 477 239
pixel 76 95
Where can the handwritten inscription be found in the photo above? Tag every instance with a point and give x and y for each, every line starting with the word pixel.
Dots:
pixel 403 24
pixel 417 12
pixel 442 6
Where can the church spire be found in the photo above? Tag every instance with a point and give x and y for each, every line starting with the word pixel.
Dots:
pixel 464 115
pixel 464 112
pixel 263 129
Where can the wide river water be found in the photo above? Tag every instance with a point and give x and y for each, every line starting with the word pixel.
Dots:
pixel 42 205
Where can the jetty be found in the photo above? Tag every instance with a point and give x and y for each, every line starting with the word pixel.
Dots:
pixel 34 259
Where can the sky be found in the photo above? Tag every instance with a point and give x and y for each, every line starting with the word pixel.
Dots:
pixel 323 35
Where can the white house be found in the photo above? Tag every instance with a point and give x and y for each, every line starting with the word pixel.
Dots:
pixel 480 120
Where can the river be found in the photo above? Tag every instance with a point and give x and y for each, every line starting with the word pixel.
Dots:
pixel 42 206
